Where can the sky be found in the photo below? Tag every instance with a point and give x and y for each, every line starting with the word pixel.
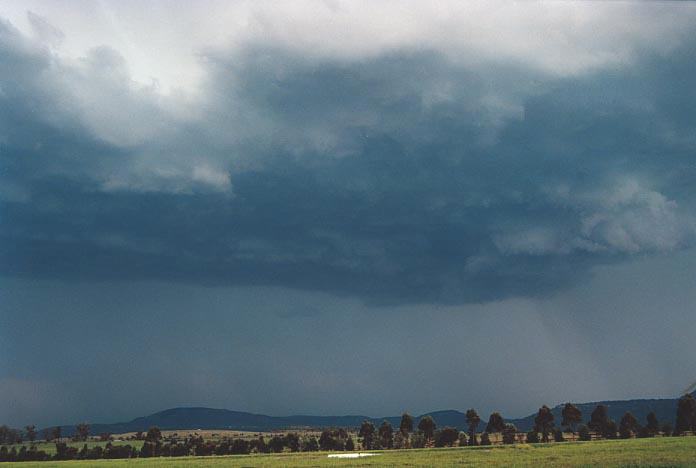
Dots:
pixel 333 207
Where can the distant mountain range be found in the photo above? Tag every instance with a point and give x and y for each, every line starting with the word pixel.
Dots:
pixel 210 418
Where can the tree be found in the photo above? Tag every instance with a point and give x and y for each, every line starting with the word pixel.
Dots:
pixel 56 433
pixel 509 433
pixel 495 423
pixel 543 422
pixel 598 419
pixel 399 440
pixel 427 427
pixel 446 437
pixel 386 434
pixel 276 444
pixel 584 433
pixel 653 425
pixel 239 447
pixel 154 434
pixel 261 446
pixel 666 429
pixel 485 439
pixel 82 431
pixel 332 439
pixel 610 430
pixel 686 414
pixel 473 420
pixel 310 444
pixel 572 416
pixel 31 432
pixel 367 434
pixel 627 425
pixel 417 440
pixel 532 437
pixel 350 445
pixel 292 441
pixel 406 425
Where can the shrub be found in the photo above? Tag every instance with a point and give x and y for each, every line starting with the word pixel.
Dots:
pixel 485 439
pixel 509 433
pixel 310 444
pixel 276 444
pixel 418 440
pixel 446 437
pixel 610 430
pixel 532 437
pixel 292 441
pixel 584 433
pixel 399 440
pixel 463 441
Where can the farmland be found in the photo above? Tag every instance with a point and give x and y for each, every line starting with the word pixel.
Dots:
pixel 661 451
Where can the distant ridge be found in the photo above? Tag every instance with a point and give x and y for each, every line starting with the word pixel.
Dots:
pixel 211 418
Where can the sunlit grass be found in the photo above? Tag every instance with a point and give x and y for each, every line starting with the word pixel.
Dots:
pixel 667 451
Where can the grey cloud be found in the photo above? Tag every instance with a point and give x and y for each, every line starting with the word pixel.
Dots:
pixel 405 177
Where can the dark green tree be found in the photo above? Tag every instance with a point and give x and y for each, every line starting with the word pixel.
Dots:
pixel 532 437
pixel 584 433
pixel 261 446
pixel 666 429
pixel 332 439
pixel 509 434
pixel 386 435
pixel 653 425
pixel 686 415
pixel 572 416
pixel 82 431
pixel 367 434
pixel 628 425
pixel 276 444
pixel 472 420
pixel 446 437
pixel 239 447
pixel 485 439
pixel 350 445
pixel 310 444
pixel 495 423
pixel 427 427
pixel 599 419
pixel 154 434
pixel 292 441
pixel 406 425
pixel 31 432
pixel 543 422
pixel 610 430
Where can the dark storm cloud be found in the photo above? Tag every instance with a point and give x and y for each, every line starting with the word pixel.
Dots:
pixel 404 177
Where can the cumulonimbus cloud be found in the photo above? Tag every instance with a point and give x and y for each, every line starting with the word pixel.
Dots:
pixel 427 161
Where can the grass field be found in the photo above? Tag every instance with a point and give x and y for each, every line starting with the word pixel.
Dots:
pixel 667 451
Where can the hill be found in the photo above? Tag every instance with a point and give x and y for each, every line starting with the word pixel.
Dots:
pixel 211 418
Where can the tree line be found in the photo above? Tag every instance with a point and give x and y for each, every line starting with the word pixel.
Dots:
pixel 384 437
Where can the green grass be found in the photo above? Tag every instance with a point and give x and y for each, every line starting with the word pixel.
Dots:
pixel 663 452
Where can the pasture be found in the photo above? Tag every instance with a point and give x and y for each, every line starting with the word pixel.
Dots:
pixel 662 451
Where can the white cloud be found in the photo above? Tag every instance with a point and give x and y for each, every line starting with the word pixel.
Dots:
pixel 207 175
pixel 162 39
